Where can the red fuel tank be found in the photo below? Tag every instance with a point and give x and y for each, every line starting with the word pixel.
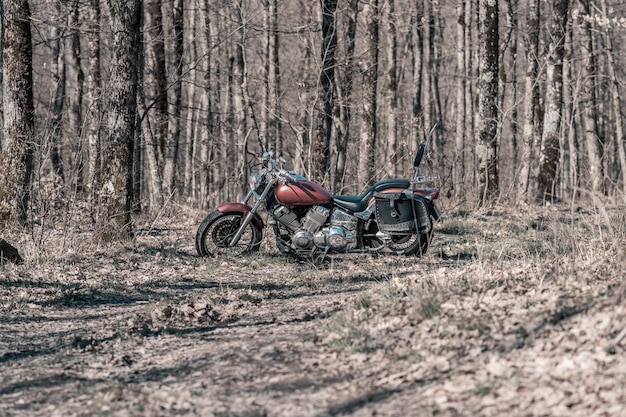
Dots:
pixel 301 193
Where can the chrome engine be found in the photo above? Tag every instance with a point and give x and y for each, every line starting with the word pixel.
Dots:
pixel 320 228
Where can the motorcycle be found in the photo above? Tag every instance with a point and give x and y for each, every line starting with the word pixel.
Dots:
pixel 393 216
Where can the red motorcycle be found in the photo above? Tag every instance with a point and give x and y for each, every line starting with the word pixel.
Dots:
pixel 393 216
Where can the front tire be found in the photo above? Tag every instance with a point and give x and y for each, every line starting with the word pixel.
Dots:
pixel 217 230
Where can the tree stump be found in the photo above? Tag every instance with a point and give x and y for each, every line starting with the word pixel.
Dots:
pixel 8 253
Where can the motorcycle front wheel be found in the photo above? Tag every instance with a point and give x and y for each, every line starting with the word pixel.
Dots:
pixel 217 230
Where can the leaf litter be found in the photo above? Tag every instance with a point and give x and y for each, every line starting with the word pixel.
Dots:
pixel 517 313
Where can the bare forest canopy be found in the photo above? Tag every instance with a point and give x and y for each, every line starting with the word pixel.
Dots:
pixel 170 100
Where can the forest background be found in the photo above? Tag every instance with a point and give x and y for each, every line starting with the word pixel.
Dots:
pixel 127 105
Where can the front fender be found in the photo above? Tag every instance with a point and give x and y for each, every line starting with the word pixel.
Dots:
pixel 241 208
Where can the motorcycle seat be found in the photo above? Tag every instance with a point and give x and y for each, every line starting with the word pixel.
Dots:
pixel 358 203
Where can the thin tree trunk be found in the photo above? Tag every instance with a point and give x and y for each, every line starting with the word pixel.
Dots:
pixel 392 89
pixel 589 106
pixel 93 98
pixel 1 74
pixel 488 103
pixel 532 122
pixel 370 82
pixel 462 62
pixel 427 66
pixel 207 146
pixel 172 145
pixel 57 70
pixel 156 94
pixel 550 147
pixel 616 98
pixel 16 157
pixel 239 108
pixel 345 96
pixel 75 86
pixel 321 145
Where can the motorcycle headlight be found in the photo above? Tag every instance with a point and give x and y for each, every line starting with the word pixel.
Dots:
pixel 255 181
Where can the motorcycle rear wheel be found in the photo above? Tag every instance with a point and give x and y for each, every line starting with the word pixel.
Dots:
pixel 217 230
pixel 407 245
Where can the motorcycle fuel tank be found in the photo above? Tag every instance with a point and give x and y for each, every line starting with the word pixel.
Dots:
pixel 301 193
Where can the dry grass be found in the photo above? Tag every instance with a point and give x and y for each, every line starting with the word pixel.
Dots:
pixel 511 312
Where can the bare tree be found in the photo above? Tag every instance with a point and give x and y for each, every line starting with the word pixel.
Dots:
pixel 172 144
pixel 486 151
pixel 462 55
pixel 392 89
pixel 321 145
pixel 58 74
pixel 589 104
pixel 113 221
pixel 75 79
pixel 16 155
pixel 344 93
pixel 369 106
pixel 1 65
pixel 550 146
pixel 532 122
pixel 155 88
pixel 93 97
pixel 615 98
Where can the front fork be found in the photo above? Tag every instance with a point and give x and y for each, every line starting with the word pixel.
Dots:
pixel 246 221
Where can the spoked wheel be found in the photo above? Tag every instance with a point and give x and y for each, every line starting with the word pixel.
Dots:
pixel 410 244
pixel 217 231
pixel 416 244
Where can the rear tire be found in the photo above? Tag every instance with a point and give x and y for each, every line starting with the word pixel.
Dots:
pixel 406 245
pixel 216 231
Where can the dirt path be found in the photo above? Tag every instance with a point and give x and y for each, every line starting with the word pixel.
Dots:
pixel 151 330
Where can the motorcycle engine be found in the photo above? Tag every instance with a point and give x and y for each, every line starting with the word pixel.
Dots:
pixel 341 235
pixel 309 230
pixel 314 219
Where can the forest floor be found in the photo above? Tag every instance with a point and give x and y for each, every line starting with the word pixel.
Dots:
pixel 512 312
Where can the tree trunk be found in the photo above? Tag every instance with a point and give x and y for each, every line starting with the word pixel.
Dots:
pixel 114 221
pixel 239 102
pixel 58 74
pixel 616 98
pixel 370 81
pixel 321 145
pixel 94 99
pixel 345 95
pixel 392 90
pixel 462 62
pixel 588 105
pixel 16 157
pixel 532 123
pixel 155 82
pixel 1 73
pixel 75 85
pixel 170 152
pixel 488 103
pixel 550 147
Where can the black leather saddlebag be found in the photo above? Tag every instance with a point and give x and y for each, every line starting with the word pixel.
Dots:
pixel 402 213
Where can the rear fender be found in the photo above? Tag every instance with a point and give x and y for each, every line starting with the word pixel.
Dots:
pixel 241 208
